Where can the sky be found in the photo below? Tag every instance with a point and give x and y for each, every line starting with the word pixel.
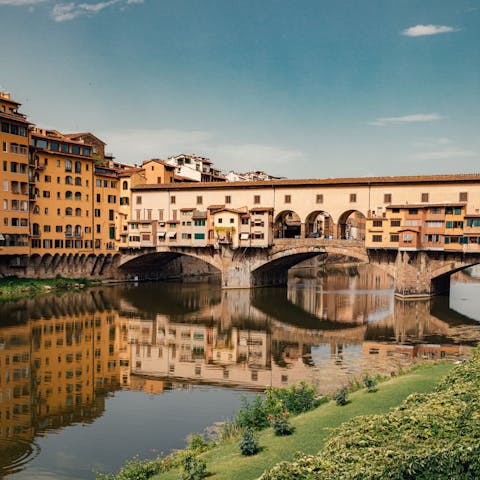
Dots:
pixel 302 89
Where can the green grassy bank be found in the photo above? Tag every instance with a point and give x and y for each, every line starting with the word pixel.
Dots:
pixel 23 287
pixel 312 429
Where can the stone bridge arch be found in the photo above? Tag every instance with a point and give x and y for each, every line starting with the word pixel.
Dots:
pixel 159 264
pixel 273 269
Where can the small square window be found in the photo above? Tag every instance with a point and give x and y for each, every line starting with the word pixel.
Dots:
pixel 353 197
pixel 424 197
pixel 256 199
pixel 319 198
pixel 288 199
pixel 463 197
pixel 387 198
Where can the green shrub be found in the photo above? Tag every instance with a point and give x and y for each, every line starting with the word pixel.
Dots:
pixel 341 397
pixel 197 443
pixel 370 383
pixel 249 442
pixel 136 469
pixel 253 414
pixel 296 399
pixel 194 468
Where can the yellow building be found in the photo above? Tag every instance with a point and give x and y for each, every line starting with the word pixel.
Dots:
pixel 14 164
pixel 425 226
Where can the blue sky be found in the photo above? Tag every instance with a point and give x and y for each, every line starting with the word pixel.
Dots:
pixel 304 89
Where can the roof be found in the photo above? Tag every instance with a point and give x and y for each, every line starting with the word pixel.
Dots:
pixel 16 117
pixel 262 209
pixel 128 172
pixel 160 162
pixel 215 207
pixel 428 205
pixel 5 97
pixel 232 210
pixel 181 178
pixel 83 134
pixel 325 182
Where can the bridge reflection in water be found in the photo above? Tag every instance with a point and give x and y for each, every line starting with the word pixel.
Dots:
pixel 61 356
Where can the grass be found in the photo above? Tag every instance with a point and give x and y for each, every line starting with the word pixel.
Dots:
pixel 13 287
pixel 312 429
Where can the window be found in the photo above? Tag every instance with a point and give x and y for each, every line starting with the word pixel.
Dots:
pixel 244 220
pixel 436 210
pixel 256 199
pixel 46 194
pixel 394 237
pixel 112 199
pixel 228 199
pixel 68 195
pixel 68 165
pixel 172 199
pixel 288 199
pixel 353 197
pixel 232 220
pixel 463 196
pixel 97 212
pixel 75 149
pixel 78 167
pixel 424 197
pixel 377 223
pixel 408 237
pixel 413 211
pixel 78 212
pixel 199 236
pixel 68 180
pixel 199 200
pixel 434 224
pixel 220 220
pixel 319 198
pixel 199 223
pixel 376 238
pixel 395 223
pixel 387 198
pixel 78 196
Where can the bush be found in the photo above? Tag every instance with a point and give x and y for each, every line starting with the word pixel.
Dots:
pixel 197 443
pixel 296 399
pixel 341 397
pixel 249 442
pixel 370 383
pixel 194 468
pixel 136 469
pixel 280 424
pixel 253 414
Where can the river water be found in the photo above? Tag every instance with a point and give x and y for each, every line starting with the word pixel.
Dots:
pixel 89 379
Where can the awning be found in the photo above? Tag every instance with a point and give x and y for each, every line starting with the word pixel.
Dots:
pixel 244 236
pixel 161 234
pixel 172 234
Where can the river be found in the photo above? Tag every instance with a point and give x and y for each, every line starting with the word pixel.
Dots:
pixel 92 378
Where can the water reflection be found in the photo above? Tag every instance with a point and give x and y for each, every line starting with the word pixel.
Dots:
pixel 62 356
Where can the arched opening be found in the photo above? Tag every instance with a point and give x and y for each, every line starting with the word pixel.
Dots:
pixel 319 224
pixel 351 225
pixel 125 185
pixel 287 225
pixel 169 265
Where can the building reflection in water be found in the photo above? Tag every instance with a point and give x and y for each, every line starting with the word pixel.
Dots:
pixel 60 356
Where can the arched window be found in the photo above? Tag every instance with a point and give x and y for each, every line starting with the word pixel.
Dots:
pixel 68 212
pixel 68 165
pixel 78 212
pixel 78 167
pixel 78 231
pixel 68 180
pixel 78 180
pixel 68 195
pixel 125 185
pixel 36 210
pixel 78 196
pixel 36 229
pixel 68 231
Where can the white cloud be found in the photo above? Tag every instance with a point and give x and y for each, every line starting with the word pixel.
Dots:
pixel 432 142
pixel 417 117
pixel 69 11
pixel 18 3
pixel 133 146
pixel 422 30
pixel 443 155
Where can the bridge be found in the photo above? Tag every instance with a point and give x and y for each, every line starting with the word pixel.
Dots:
pixel 415 273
